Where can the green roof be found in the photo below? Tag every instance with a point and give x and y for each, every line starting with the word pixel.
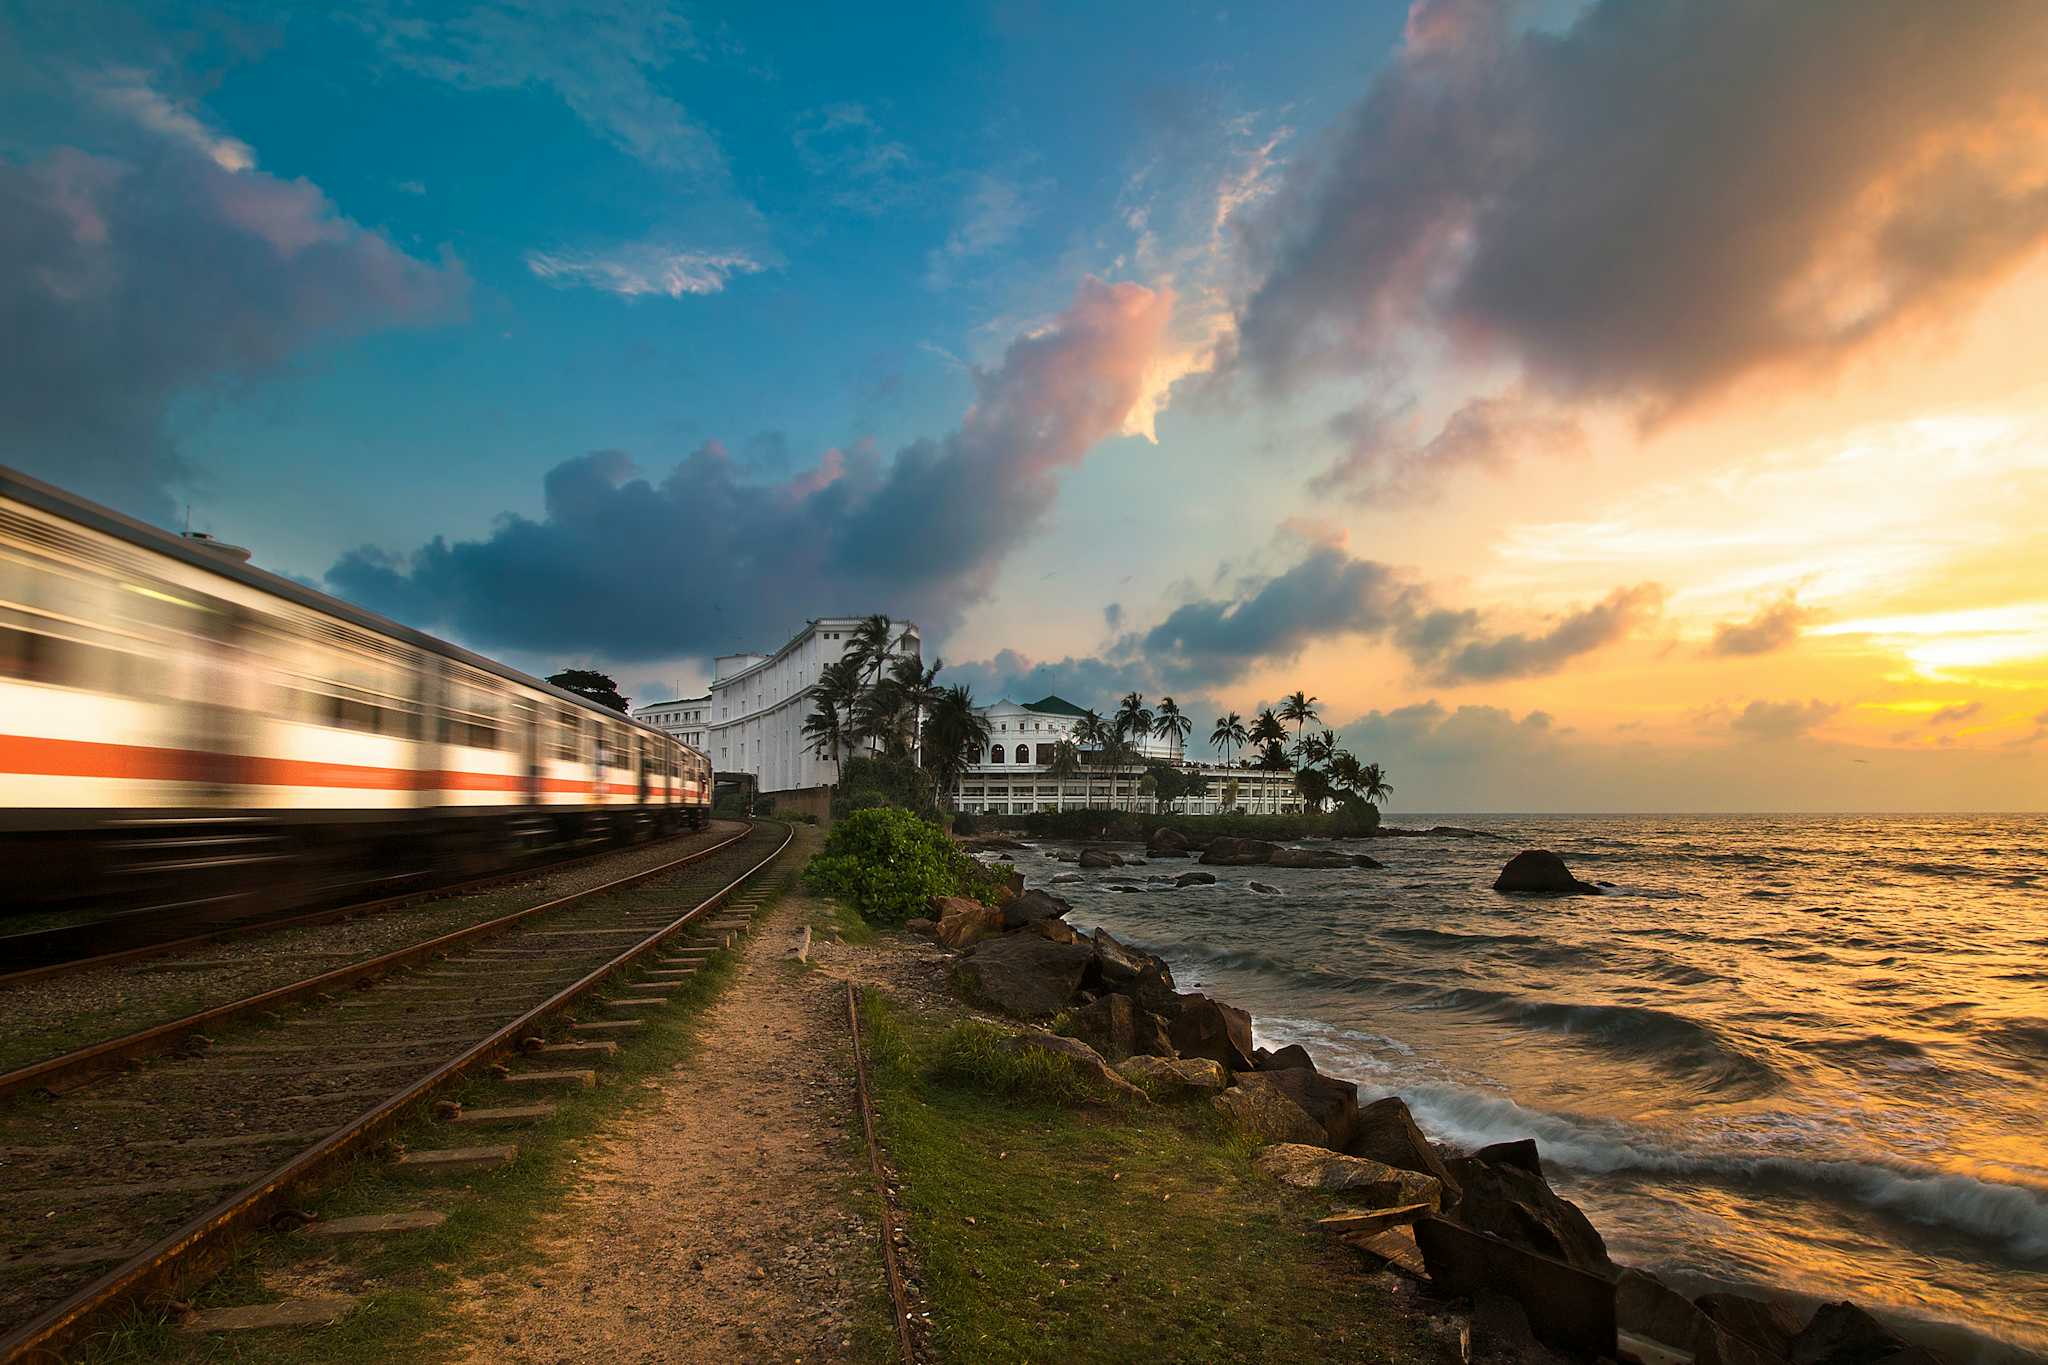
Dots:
pixel 1054 706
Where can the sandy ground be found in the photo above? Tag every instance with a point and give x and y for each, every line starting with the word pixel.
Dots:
pixel 714 1224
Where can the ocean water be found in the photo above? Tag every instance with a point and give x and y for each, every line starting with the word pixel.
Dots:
pixel 1807 1053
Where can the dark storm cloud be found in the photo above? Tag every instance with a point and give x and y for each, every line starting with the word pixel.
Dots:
pixel 1773 628
pixel 715 556
pixel 1664 196
pixel 1327 595
pixel 125 283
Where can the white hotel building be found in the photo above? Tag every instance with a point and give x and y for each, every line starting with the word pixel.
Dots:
pixel 752 719
pixel 1010 778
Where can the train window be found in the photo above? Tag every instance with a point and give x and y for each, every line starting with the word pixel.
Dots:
pixel 35 657
pixel 568 737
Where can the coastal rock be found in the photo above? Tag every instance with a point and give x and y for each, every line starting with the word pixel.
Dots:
pixel 1166 839
pixel 1229 852
pixel 1100 857
pixel 968 924
pixel 1294 1054
pixel 1308 857
pixel 1646 1306
pixel 920 925
pixel 1373 1184
pixel 1062 878
pixel 1115 1027
pixel 1195 879
pixel 1031 907
pixel 1264 888
pixel 1332 1103
pixel 1763 1324
pixel 1202 1027
pixel 1386 1132
pixel 1264 1111
pixel 942 906
pixel 1500 1332
pixel 1365 860
pixel 1023 974
pixel 1569 1309
pixel 1843 1334
pixel 1082 1058
pixel 1176 1077
pixel 1539 871
pixel 1520 1153
pixel 1058 930
pixel 1521 1208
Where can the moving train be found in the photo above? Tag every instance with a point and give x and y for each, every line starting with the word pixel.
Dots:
pixel 181 730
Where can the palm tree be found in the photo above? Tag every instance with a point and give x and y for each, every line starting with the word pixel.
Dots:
pixel 837 692
pixel 1229 734
pixel 1267 730
pixel 869 643
pixel 1299 708
pixel 1133 717
pixel 1065 765
pixel 1345 771
pixel 1197 785
pixel 918 689
pixel 954 736
pixel 1373 784
pixel 1313 786
pixel 1313 749
pixel 1169 724
pixel 1093 732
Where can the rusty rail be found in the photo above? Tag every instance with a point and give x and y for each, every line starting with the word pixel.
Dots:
pixel 899 1296
pixel 68 1068
pixel 208 1240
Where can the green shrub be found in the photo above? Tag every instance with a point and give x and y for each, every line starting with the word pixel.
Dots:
pixel 885 780
pixel 886 863
pixel 975 1056
pixel 965 822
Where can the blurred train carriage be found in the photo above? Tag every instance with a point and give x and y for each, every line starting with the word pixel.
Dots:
pixel 179 729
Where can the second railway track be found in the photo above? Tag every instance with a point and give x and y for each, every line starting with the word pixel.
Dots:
pixel 110 1191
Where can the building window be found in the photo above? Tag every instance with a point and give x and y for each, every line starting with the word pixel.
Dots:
pixel 1023 754
pixel 1045 754
pixel 995 754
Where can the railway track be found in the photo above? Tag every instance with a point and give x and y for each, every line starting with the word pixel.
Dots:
pixel 134 1184
pixel 136 936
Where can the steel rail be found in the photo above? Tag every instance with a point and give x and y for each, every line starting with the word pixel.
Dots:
pixel 899 1296
pixel 208 1239
pixel 229 932
pixel 96 1057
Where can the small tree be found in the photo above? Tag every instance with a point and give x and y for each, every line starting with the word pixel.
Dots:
pixel 588 682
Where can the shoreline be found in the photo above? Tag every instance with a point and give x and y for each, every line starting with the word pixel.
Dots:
pixel 1729 1297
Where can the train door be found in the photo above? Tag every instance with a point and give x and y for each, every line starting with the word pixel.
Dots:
pixel 640 751
pixel 530 749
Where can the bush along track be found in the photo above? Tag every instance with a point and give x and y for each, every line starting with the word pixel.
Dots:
pixel 458 1186
pixel 1139 1179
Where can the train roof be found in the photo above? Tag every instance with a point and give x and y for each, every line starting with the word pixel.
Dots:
pixel 23 488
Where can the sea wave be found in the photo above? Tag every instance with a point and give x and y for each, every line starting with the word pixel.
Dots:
pixel 2013 1217
pixel 1672 1042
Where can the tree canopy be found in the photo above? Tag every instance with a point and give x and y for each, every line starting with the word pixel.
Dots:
pixel 588 682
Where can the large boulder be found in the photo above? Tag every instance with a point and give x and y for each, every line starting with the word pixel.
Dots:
pixel 1569 1309
pixel 1330 1102
pixel 1100 857
pixel 1195 879
pixel 1386 1132
pixel 920 925
pixel 1518 1207
pixel 1843 1334
pixel 1365 860
pixel 1064 878
pixel 1538 871
pixel 1175 1077
pixel 1081 1058
pixel 1166 840
pixel 1202 1027
pixel 1115 1027
pixel 1031 907
pixel 1229 852
pixel 1647 1307
pixel 1293 1055
pixel 968 923
pixel 1058 930
pixel 1264 888
pixel 1521 1152
pixel 1263 1110
pixel 1763 1324
pixel 1373 1184
pixel 1024 974
pixel 1309 857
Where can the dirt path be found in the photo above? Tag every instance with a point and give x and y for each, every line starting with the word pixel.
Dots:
pixel 715 1224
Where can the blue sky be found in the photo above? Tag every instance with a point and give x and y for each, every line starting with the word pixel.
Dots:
pixel 1373 348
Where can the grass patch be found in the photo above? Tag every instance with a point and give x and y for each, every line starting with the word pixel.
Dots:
pixel 405 1282
pixel 1105 1233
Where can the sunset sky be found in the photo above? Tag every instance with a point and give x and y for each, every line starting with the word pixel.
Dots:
pixel 1611 406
